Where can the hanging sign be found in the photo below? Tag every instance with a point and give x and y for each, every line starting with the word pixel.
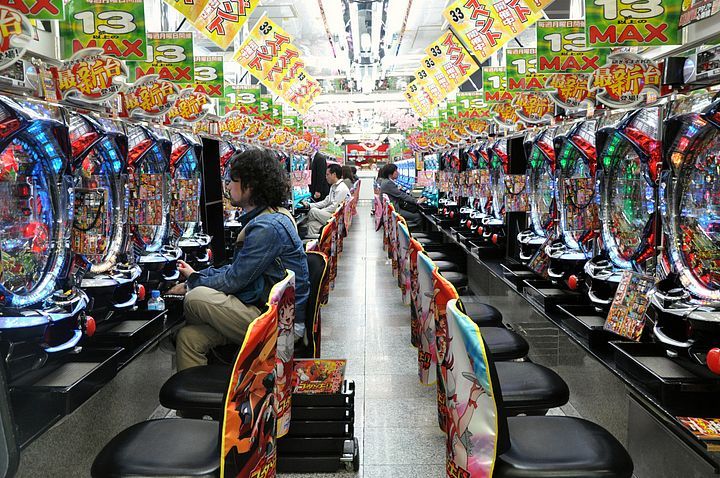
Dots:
pixel 626 80
pixel 429 75
pixel 150 96
pixel 262 48
pixel 569 90
pixel 90 76
pixel 284 70
pixel 453 62
pixel 116 26
pixel 266 109
pixel 221 20
pixel 37 9
pixel 170 57
pixel 521 70
pixel 561 48
pixel 242 98
pixel 234 123
pixel 625 23
pixel 534 106
pixel 504 114
pixel 696 10
pixel 471 105
pixel 189 9
pixel 410 93
pixel 485 26
pixel 495 85
pixel 189 107
pixel 14 36
pixel 303 91
pixel 209 76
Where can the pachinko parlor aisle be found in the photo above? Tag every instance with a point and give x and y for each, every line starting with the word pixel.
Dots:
pixel 381 239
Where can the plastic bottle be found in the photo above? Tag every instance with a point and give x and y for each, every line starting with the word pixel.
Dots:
pixel 156 302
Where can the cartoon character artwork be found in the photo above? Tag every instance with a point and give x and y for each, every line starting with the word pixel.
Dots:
pixel 443 292
pixel 427 353
pixel 403 260
pixel 285 354
pixel 472 411
pixel 415 305
pixel 249 429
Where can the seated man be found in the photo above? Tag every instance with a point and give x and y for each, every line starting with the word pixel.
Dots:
pixel 221 302
pixel 401 200
pixel 321 212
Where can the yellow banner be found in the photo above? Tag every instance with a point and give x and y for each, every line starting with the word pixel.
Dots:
pixel 430 73
pixel 285 70
pixel 265 43
pixel 452 60
pixel 190 9
pixel 221 20
pixel 485 26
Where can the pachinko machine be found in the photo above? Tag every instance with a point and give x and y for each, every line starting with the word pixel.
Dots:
pixel 149 152
pixel 480 201
pixel 577 204
pixel 99 228
pixel 687 302
pixel 42 311
pixel 186 173
pixel 448 204
pixel 541 193
pixel 628 175
pixel 300 177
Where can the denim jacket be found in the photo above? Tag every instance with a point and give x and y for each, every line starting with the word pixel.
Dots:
pixel 271 245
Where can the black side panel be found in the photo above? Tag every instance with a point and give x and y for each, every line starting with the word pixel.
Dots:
pixel 211 199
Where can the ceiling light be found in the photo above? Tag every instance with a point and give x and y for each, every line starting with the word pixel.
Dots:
pixel 365 42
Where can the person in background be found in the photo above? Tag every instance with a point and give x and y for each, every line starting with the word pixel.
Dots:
pixel 321 212
pixel 400 199
pixel 319 187
pixel 347 177
pixel 220 303
pixel 354 173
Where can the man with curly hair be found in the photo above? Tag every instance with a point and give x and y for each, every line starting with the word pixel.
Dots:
pixel 321 212
pixel 221 302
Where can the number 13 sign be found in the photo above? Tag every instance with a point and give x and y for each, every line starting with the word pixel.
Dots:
pixel 630 22
pixel 116 26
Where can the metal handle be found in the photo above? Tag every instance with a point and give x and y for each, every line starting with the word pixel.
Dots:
pixel 127 304
pixel 668 341
pixel 74 340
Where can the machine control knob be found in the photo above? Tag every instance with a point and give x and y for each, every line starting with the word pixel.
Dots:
pixel 713 360
pixel 141 292
pixel 89 326
pixel 495 239
pixel 573 282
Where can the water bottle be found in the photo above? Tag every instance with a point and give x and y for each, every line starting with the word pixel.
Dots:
pixel 156 302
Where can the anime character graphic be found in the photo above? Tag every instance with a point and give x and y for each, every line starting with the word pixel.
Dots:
pixel 427 353
pixel 415 305
pixel 285 353
pixel 250 422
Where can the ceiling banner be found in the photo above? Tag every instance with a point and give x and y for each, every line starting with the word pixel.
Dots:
pixel 189 9
pixel 209 76
pixel 221 20
pixel 116 26
pixel 242 98
pixel 38 9
pixel 452 60
pixel 646 23
pixel 522 74
pixel 495 85
pixel 170 57
pixel 485 26
pixel 561 48
pixel 262 48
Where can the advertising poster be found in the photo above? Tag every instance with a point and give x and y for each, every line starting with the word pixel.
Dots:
pixel 316 376
pixel 562 48
pixel 521 70
pixel 170 57
pixel 38 9
pixel 495 85
pixel 621 23
pixel 628 310
pixel 209 75
pixel 221 20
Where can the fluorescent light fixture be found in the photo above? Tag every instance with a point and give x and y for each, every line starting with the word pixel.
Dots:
pixel 365 42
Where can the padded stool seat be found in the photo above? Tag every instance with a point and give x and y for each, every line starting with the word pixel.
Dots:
pixel 530 388
pixel 447 266
pixel 168 447
pixel 543 447
pixel 197 391
pixel 427 235
pixel 457 279
pixel 504 344
pixel 483 314
pixel 439 256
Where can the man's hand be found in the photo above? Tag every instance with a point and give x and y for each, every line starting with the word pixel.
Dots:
pixel 178 289
pixel 422 200
pixel 185 269
pixel 317 195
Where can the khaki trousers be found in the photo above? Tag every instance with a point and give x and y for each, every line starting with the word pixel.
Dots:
pixel 317 219
pixel 212 318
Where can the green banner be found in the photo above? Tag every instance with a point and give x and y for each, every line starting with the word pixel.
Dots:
pixel 623 23
pixel 243 98
pixel 561 48
pixel 266 108
pixel 471 105
pixel 277 114
pixel 38 9
pixel 118 27
pixel 209 75
pixel 170 56
pixel 495 85
pixel 292 123
pixel 521 70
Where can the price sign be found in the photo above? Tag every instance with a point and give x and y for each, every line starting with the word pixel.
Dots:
pixel 633 23
pixel 485 26
pixel 170 56
pixel 221 20
pixel 522 74
pixel 561 47
pixel 38 9
pixel 495 85
pixel 116 26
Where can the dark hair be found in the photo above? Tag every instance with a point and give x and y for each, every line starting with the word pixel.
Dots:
pixel 353 169
pixel 261 171
pixel 347 172
pixel 387 171
pixel 335 169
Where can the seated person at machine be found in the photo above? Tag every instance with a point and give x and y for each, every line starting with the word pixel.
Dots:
pixel 321 212
pixel 348 177
pixel 221 302
pixel 405 204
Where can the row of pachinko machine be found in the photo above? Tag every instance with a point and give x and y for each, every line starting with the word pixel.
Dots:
pixel 94 215
pixel 610 223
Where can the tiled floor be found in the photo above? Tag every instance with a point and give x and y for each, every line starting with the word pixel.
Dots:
pixel 367 323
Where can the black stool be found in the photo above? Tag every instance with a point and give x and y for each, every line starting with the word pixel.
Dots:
pixel 483 315
pixel 530 389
